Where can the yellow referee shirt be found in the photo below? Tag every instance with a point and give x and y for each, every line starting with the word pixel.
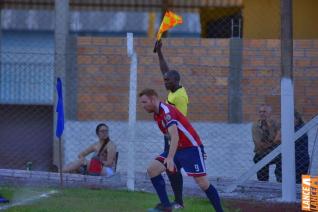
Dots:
pixel 179 99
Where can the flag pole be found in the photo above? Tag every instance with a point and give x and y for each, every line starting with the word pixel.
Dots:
pixel 155 48
pixel 60 163
pixel 60 124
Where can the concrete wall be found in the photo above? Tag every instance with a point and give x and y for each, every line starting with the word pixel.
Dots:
pixel 27 68
pixel 229 146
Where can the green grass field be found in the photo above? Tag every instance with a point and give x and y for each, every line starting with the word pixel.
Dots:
pixel 93 200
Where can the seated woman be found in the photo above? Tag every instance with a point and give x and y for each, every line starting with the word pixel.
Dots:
pixel 105 149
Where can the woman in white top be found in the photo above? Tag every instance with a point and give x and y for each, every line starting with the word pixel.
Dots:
pixel 107 154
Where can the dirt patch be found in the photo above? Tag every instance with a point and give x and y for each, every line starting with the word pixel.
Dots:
pixel 261 206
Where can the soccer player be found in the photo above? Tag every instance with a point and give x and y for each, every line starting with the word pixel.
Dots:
pixel 177 97
pixel 184 151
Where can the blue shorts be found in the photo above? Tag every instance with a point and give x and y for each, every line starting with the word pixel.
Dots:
pixel 190 159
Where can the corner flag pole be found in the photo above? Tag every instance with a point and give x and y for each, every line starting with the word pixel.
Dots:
pixel 60 124
pixel 60 163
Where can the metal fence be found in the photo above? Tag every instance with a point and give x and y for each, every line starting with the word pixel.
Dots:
pixel 228 63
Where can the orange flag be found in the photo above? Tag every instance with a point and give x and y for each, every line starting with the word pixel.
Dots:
pixel 169 20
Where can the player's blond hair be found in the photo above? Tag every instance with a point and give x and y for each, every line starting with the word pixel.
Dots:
pixel 148 92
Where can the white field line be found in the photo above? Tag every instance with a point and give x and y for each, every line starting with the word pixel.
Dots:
pixel 29 200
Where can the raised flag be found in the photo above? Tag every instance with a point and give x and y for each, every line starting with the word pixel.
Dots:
pixel 169 20
pixel 59 109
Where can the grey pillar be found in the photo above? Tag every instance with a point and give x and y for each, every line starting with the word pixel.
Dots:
pixel 71 79
pixel 287 103
pixel 61 36
pixel 286 39
pixel 0 48
pixel 235 76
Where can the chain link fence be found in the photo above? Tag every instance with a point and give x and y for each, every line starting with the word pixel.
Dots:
pixel 228 55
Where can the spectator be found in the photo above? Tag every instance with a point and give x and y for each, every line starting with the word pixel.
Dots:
pixel 301 149
pixel 266 137
pixel 104 148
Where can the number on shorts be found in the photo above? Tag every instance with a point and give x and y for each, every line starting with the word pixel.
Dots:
pixel 196 167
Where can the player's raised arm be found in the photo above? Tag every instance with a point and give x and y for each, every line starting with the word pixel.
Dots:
pixel 163 64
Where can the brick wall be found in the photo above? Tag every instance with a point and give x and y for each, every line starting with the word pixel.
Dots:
pixel 262 71
pixel 103 73
pixel 103 70
pixel 261 76
pixel 306 76
pixel 103 78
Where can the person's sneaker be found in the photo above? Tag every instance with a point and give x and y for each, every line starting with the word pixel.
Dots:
pixel 176 205
pixel 159 208
pixel 3 200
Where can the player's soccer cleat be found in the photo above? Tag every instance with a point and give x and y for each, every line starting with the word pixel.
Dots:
pixel 177 206
pixel 159 208
pixel 3 200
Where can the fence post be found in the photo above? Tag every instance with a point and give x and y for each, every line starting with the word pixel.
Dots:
pixel 61 30
pixel 132 112
pixel 287 104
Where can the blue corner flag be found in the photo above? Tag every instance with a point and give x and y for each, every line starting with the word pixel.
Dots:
pixel 59 109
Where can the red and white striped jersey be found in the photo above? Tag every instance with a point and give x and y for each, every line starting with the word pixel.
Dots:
pixel 169 115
